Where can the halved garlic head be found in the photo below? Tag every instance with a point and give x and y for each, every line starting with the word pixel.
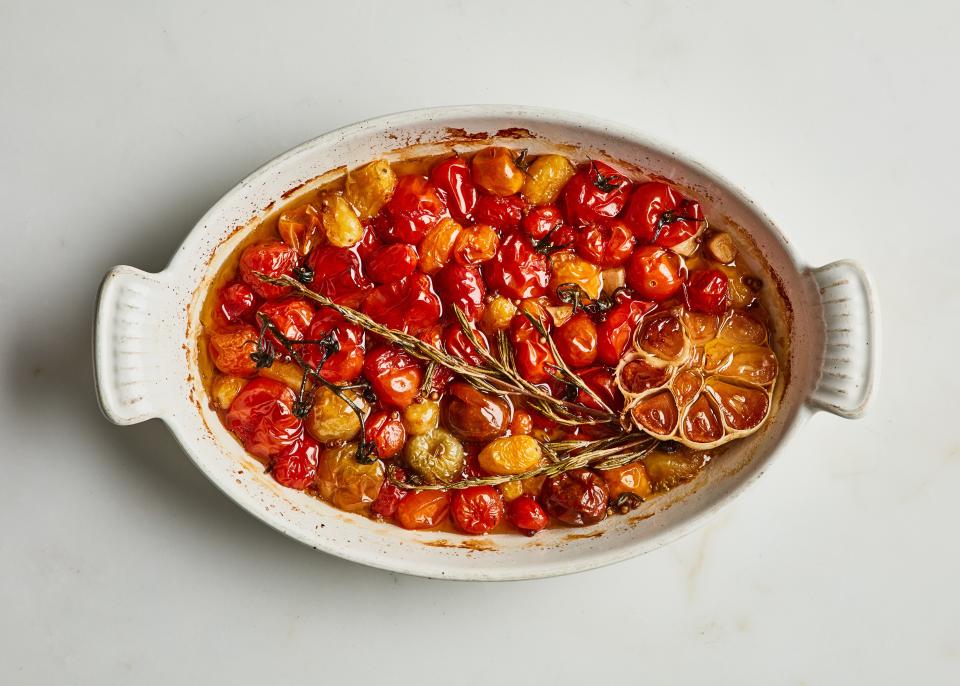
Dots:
pixel 698 379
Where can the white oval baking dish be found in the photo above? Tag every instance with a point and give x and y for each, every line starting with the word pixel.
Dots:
pixel 146 353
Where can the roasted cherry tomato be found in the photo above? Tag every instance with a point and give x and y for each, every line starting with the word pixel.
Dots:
pixel 595 193
pixel 476 244
pixel 370 239
pixel 452 178
pixel 473 416
pixel 495 171
pixel 230 350
pixel 606 245
pixel 501 213
pixel 456 343
pixel 655 273
pixel 577 497
pixel 603 382
pixel 526 514
pixel 531 351
pixel 409 304
pixel 261 417
pixel 476 510
pixel 292 316
pixel 236 303
pixel 576 340
pixel 394 376
pixel 708 291
pixel 660 215
pixel 384 430
pixel 518 271
pixel 345 364
pixel 464 287
pixel 413 210
pixel 389 497
pixel 423 509
pixel 616 330
pixel 296 466
pixel 392 263
pixel 337 274
pixel 274 259
pixel 541 221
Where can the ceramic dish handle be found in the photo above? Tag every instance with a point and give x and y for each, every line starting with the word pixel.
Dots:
pixel 133 343
pixel 851 352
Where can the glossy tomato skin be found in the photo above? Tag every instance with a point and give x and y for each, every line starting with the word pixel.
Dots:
pixel 337 274
pixel 476 510
pixel 602 381
pixel 384 430
pixel 413 210
pixel 394 376
pixel 452 178
pixel 296 466
pixel 389 497
pixel 273 259
pixel 392 263
pixel 606 245
pixel 292 316
pixel 423 509
pixel 456 343
pixel 615 332
pixel 231 348
pixel 576 340
pixel 258 399
pixel 473 416
pixel 517 270
pixel 541 220
pixel 502 213
pixel 531 351
pixel 409 304
pixel 463 286
pixel 345 364
pixel 708 291
pixel 577 497
pixel 595 193
pixel 526 514
pixel 656 273
pixel 660 215
pixel 236 304
pixel 370 240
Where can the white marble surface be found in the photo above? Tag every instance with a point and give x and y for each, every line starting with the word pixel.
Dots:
pixel 121 122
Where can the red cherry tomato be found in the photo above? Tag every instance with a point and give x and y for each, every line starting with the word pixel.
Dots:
pixel 616 330
pixel 708 291
pixel 296 466
pixel 456 343
pixel 236 303
pixel 254 402
pixel 292 316
pixel 655 273
pixel 526 514
pixel 502 213
pixel 273 259
pixel 452 178
pixel 337 274
pixel 394 376
pixel 464 287
pixel 345 364
pixel 409 304
pixel 413 210
pixel 389 497
pixel 384 430
pixel 606 245
pixel 596 192
pixel 578 497
pixel 441 375
pixel 423 509
pixel 541 221
pixel 370 240
pixel 230 350
pixel 660 215
pixel 277 431
pixel 576 340
pixel 392 263
pixel 518 271
pixel 602 381
pixel 476 510
pixel 531 351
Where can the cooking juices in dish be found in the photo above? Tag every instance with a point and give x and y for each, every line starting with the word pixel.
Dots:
pixel 490 341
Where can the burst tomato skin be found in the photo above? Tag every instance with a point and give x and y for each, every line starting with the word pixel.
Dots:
pixel 384 430
pixel 502 213
pixel 660 215
pixel 392 263
pixel 389 497
pixel 370 240
pixel 526 514
pixel 517 270
pixel 576 340
pixel 394 375
pixel 656 273
pixel 456 343
pixel 476 510
pixel 423 509
pixel 345 364
pixel 413 210
pixel 453 179
pixel 595 193
pixel 230 350
pixel 531 351
pixel 600 380
pixel 236 303
pixel 296 466
pixel 463 286
pixel 616 330
pixel 409 304
pixel 708 291
pixel 338 275
pixel 577 497
pixel 261 417
pixel 541 220
pixel 292 316
pixel 606 245
pixel 273 259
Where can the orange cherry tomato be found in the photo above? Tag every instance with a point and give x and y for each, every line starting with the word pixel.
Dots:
pixel 576 340
pixel 230 350
pixel 656 273
pixel 495 171
pixel 476 510
pixel 423 509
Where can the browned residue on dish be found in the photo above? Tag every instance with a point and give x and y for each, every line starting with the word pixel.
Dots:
pixel 641 517
pixel 577 537
pixel 515 132
pixel 462 134
pixel 478 544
